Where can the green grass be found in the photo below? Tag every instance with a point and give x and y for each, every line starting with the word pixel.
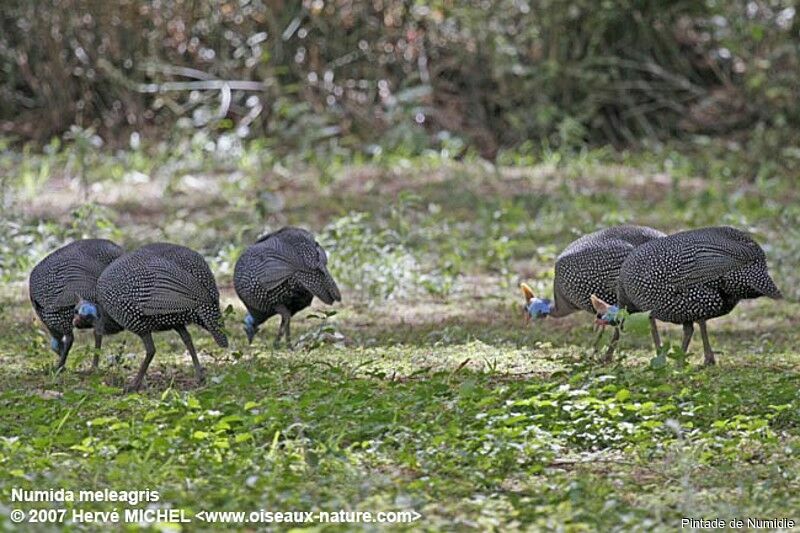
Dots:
pixel 425 390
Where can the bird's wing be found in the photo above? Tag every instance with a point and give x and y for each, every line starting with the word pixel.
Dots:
pixel 76 280
pixel 173 289
pixel 709 262
pixel 278 261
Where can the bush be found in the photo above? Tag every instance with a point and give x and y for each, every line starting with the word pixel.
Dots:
pixel 346 73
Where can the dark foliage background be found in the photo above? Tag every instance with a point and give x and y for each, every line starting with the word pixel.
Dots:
pixel 487 74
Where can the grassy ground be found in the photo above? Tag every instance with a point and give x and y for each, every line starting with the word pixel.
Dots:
pixel 425 391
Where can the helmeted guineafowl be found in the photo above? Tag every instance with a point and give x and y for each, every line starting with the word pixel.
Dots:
pixel 280 274
pixel 589 265
pixel 65 279
pixel 692 276
pixel 158 288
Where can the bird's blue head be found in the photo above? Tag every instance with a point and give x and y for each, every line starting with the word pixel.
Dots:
pixel 538 308
pixel 55 345
pixel 85 314
pixel 535 307
pixel 250 327
pixel 607 314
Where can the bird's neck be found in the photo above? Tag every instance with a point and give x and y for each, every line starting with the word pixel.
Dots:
pixel 557 312
pixel 105 325
pixel 256 319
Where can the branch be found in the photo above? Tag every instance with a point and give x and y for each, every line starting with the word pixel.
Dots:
pixel 205 85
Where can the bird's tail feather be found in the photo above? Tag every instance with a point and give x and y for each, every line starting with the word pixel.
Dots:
pixel 219 337
pixel 323 287
pixel 333 289
pixel 766 286
pixel 213 324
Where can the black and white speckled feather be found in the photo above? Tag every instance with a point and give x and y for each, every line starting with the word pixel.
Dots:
pixel 64 277
pixel 160 287
pixel 281 273
pixel 695 275
pixel 590 265
pixel 188 260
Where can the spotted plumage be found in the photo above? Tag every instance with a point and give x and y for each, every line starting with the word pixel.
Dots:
pixel 187 259
pixel 280 274
pixel 62 280
pixel 694 276
pixel 157 288
pixel 589 266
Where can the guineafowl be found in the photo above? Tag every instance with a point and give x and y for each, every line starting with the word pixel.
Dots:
pixel 589 265
pixel 158 288
pixel 280 274
pixel 692 276
pixel 64 279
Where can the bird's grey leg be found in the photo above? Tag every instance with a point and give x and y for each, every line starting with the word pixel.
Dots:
pixel 187 340
pixel 709 354
pixel 286 316
pixel 66 345
pixel 654 333
pixel 98 345
pixel 688 331
pixel 612 346
pixel 150 351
